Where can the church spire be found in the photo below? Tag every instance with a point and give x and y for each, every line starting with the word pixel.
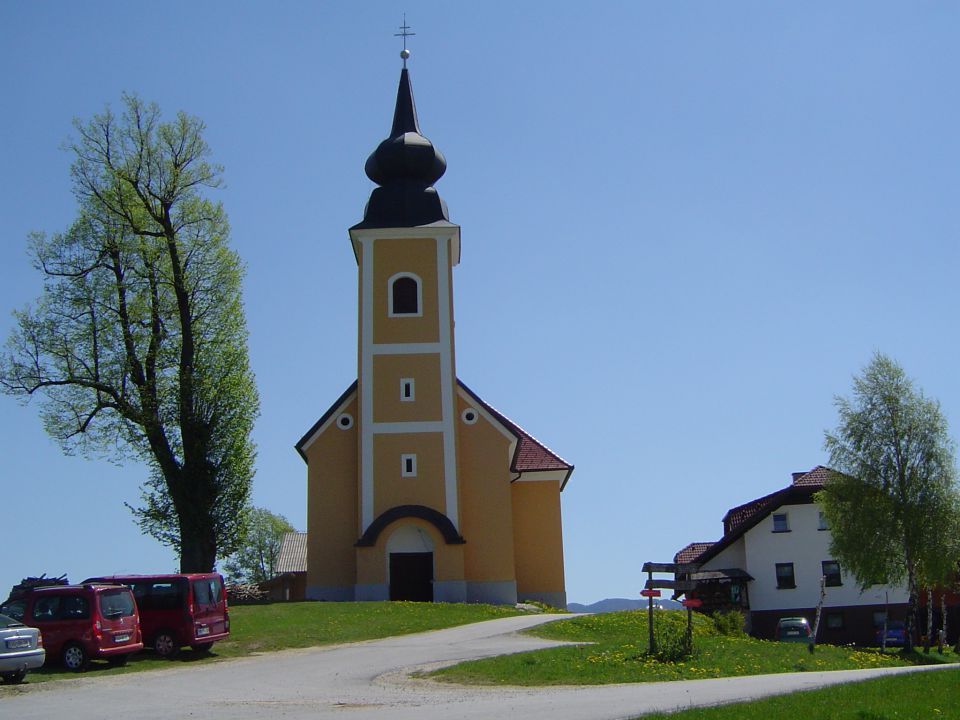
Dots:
pixel 405 166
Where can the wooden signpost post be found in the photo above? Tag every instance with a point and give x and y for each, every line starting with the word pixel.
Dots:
pixel 690 604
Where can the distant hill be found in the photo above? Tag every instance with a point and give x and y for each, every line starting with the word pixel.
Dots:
pixel 615 604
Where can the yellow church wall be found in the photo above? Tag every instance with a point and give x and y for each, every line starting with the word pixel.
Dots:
pixel 412 255
pixel 537 538
pixel 332 499
pixel 486 518
pixel 373 562
pixel 424 370
pixel 392 489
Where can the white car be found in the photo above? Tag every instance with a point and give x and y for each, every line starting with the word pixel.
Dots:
pixel 21 649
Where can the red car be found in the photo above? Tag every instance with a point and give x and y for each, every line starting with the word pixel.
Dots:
pixel 81 622
pixel 178 610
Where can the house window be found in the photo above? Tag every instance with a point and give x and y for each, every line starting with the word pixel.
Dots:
pixel 835 621
pixel 831 573
pixel 405 295
pixel 406 390
pixel 785 579
pixel 408 465
pixel 822 522
pixel 780 523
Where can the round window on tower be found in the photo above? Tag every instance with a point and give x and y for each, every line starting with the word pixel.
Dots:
pixel 345 421
pixel 469 416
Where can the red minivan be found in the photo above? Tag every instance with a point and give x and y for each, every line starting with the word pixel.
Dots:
pixel 81 622
pixel 178 610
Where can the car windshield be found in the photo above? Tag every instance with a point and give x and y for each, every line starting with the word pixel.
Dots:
pixel 9 622
pixel 116 603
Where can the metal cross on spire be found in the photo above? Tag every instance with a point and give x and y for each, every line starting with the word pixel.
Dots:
pixel 404 33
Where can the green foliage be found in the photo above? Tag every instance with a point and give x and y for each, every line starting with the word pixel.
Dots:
pixel 893 506
pixel 138 344
pixel 256 560
pixel 672 644
pixel 729 623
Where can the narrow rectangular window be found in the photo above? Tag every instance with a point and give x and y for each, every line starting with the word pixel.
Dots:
pixel 831 571
pixel 835 621
pixel 408 465
pixel 823 522
pixel 780 523
pixel 406 390
pixel 785 578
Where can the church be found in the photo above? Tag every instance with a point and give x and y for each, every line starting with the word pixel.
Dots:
pixel 418 489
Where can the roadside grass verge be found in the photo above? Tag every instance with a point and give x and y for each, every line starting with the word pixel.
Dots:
pixel 612 648
pixel 900 697
pixel 281 626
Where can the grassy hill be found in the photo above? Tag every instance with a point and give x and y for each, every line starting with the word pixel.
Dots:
pixel 612 648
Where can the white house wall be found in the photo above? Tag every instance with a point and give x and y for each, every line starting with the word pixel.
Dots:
pixel 806 547
pixel 730 557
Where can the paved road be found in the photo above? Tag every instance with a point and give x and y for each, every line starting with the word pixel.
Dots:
pixel 368 680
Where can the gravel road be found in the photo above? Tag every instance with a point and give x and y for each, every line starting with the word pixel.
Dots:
pixel 369 680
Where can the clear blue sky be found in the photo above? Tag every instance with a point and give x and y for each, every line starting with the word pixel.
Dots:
pixel 685 227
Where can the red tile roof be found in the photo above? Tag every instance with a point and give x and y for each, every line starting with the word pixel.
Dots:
pixel 741 518
pixel 816 477
pixel 744 515
pixel 692 551
pixel 531 454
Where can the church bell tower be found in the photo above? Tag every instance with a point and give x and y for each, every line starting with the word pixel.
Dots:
pixel 417 489
pixel 406 248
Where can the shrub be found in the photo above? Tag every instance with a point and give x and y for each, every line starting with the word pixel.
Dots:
pixel 672 644
pixel 729 622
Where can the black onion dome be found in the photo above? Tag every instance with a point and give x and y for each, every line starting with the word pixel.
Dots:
pixel 405 166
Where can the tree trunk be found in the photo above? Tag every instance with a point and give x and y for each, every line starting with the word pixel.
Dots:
pixel 929 636
pixel 198 549
pixel 911 610
pixel 942 636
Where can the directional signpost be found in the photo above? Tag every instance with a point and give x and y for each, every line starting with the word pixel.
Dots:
pixel 650 592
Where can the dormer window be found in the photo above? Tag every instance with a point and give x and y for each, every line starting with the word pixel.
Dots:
pixel 405 295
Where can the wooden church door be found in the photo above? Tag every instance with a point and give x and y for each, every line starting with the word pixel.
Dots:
pixel 411 576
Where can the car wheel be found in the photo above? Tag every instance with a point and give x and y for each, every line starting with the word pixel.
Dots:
pixel 118 660
pixel 75 657
pixel 202 648
pixel 165 644
pixel 14 678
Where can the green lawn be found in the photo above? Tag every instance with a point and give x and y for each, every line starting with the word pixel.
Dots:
pixel 265 628
pixel 612 648
pixel 927 695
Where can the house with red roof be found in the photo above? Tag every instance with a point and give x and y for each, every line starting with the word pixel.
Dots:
pixel 774 558
pixel 417 488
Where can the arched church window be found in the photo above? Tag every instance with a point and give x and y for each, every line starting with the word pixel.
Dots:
pixel 405 295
